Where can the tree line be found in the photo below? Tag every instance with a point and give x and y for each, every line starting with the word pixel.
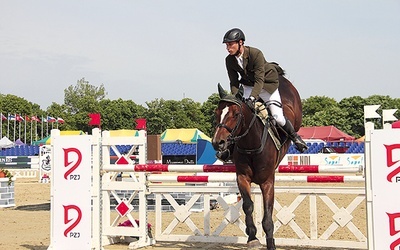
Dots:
pixel 83 98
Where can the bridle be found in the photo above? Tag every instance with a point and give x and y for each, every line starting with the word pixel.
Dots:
pixel 233 138
pixel 232 131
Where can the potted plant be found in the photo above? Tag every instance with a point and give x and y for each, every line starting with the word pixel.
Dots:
pixel 4 173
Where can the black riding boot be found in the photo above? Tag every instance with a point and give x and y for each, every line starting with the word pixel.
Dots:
pixel 300 144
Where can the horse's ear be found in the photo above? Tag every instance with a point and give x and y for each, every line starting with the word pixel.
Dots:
pixel 239 94
pixel 221 91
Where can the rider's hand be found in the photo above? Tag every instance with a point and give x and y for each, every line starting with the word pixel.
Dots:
pixel 251 102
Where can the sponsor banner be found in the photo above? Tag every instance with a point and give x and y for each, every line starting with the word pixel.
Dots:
pixel 179 159
pixel 342 159
pixel 385 183
pixel 297 160
pixel 16 162
pixel 71 192
pixel 324 159
pixel 10 159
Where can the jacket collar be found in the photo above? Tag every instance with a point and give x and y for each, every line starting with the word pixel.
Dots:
pixel 245 56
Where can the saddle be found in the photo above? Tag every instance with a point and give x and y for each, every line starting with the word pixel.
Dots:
pixel 278 135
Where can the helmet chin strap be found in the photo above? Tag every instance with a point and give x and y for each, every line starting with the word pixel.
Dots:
pixel 238 52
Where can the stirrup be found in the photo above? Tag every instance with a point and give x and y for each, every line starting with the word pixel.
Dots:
pixel 301 146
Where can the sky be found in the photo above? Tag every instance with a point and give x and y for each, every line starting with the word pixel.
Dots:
pixel 154 49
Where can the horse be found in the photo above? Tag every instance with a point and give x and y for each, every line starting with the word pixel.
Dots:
pixel 255 153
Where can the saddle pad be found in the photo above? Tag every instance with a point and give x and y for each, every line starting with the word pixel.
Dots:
pixel 262 114
pixel 274 138
pixel 261 111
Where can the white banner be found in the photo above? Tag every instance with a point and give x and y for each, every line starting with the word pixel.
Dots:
pixel 71 182
pixel 385 182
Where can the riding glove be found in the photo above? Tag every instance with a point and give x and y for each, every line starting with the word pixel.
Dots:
pixel 251 102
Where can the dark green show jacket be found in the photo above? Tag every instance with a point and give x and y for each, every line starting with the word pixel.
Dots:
pixel 257 72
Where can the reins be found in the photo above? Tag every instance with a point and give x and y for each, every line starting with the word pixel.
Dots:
pixel 263 139
pixel 238 137
pixel 232 138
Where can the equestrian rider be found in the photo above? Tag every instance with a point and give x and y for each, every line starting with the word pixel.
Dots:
pixel 258 78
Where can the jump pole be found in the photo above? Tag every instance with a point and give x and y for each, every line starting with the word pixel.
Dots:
pixel 208 168
pixel 232 178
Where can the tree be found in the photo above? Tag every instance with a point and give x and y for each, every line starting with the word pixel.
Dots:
pixel 119 114
pixel 158 117
pixel 208 109
pixel 332 116
pixel 354 107
pixel 60 111
pixel 315 104
pixel 82 99
pixel 14 105
pixel 162 114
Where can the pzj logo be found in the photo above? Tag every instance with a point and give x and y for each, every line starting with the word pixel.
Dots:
pixel 70 153
pixel 392 228
pixel 390 161
pixel 70 209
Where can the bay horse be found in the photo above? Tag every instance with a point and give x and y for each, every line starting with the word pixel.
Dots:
pixel 255 153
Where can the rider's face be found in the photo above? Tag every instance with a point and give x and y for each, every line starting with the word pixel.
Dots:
pixel 232 47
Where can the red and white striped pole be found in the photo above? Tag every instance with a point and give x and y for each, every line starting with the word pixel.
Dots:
pixel 230 168
pixel 232 178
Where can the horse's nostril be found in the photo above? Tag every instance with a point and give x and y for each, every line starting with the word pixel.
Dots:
pixel 221 145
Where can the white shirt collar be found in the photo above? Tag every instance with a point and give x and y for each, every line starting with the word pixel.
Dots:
pixel 240 60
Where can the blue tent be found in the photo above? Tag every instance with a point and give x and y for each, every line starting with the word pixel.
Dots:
pixel 205 152
pixel 188 142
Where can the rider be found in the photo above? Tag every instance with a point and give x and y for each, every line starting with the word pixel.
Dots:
pixel 258 78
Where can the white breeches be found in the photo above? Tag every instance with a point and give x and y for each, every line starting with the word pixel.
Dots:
pixel 277 112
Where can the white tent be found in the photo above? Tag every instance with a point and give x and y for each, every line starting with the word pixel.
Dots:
pixel 6 143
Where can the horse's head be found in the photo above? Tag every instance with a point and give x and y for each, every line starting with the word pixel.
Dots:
pixel 229 118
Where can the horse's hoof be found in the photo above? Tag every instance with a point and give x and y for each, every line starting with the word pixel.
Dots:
pixel 271 244
pixel 254 244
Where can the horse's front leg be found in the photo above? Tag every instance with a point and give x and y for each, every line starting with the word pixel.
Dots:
pixel 244 185
pixel 268 192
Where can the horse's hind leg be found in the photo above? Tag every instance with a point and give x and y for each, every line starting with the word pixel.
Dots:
pixel 267 190
pixel 248 207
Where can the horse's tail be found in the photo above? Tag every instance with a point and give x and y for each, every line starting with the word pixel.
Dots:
pixel 291 101
pixel 281 72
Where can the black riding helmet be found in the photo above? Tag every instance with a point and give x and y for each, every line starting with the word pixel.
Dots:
pixel 233 35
